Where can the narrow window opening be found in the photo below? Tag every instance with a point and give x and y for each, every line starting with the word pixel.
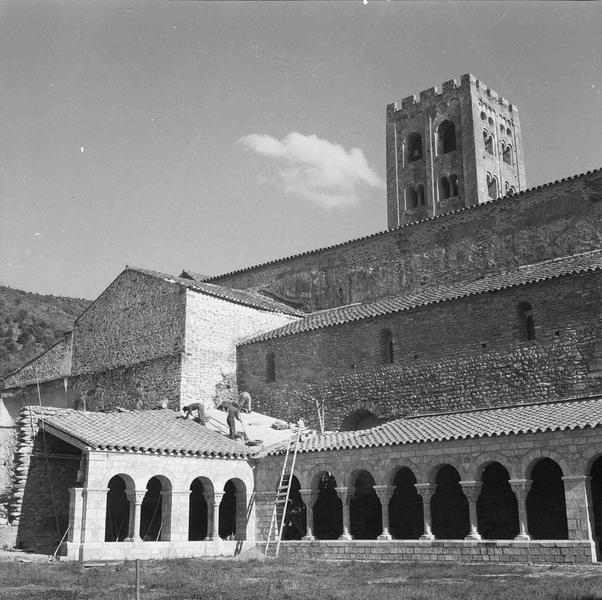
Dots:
pixel 507 154
pixel 444 188
pixel 412 196
pixel 483 116
pixel 492 188
pixel 526 322
pixel 270 367
pixel 414 147
pixel 453 183
pixel 386 346
pixel 420 195
pixel 488 139
pixel 446 137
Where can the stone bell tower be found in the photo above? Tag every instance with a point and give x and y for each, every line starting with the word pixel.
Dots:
pixel 449 150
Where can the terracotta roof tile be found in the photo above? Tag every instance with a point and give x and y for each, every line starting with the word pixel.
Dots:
pixel 581 263
pixel 509 420
pixel 163 431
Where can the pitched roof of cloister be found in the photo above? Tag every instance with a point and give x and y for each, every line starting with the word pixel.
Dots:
pixel 523 275
pixel 161 431
pixel 510 420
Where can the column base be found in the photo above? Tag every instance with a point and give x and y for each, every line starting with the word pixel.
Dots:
pixel 473 536
pixel 523 537
pixel 345 537
pixel 427 536
pixel 308 538
pixel 385 537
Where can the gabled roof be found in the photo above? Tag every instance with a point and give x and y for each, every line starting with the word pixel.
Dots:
pixel 489 422
pixel 558 267
pixel 504 199
pixel 244 297
pixel 160 431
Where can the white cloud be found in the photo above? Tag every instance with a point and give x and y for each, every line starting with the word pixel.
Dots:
pixel 315 169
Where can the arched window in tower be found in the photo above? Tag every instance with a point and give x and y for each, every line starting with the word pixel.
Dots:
pixel 507 154
pixel 270 367
pixel 420 195
pixel 502 129
pixel 526 323
pixel 488 139
pixel 411 198
pixel 492 186
pixel 386 346
pixel 446 137
pixel 444 188
pixel 453 184
pixel 414 147
pixel 483 116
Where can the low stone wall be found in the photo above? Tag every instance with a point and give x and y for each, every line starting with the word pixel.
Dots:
pixel 151 550
pixel 546 552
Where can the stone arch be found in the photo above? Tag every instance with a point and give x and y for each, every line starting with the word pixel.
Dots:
pixel 546 504
pixel 528 461
pixel 497 506
pixel 588 457
pixel 482 461
pixel 232 510
pixel 449 506
pixel 446 137
pixel 328 508
pixel 201 488
pixel 315 476
pixel 413 146
pixel 406 516
pixel 155 512
pixel 362 418
pixel 365 510
pixel 595 492
pixel 390 473
pixel 430 469
pixel 118 509
pixel 295 522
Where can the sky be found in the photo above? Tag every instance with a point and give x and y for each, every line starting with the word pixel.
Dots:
pixel 214 136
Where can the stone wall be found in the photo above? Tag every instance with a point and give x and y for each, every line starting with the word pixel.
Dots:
pixel 547 222
pixel 213 328
pixel 137 318
pixel 454 355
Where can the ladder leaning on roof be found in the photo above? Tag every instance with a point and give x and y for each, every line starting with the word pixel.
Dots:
pixel 284 490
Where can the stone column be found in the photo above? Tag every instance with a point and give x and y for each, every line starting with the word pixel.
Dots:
pixel 94 514
pixel 213 502
pixel 521 488
pixel 176 515
pixel 76 510
pixel 384 493
pixel 345 494
pixel 578 507
pixel 426 491
pixel 135 499
pixel 241 515
pixel 472 491
pixel 309 498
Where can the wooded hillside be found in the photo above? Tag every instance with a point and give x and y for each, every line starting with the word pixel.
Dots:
pixel 30 323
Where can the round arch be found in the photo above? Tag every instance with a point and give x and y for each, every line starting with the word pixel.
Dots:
pixel 365 510
pixel 359 419
pixel 406 516
pixel 449 506
pixel 328 508
pixel 117 514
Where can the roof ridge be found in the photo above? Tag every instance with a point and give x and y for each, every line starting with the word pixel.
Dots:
pixel 412 224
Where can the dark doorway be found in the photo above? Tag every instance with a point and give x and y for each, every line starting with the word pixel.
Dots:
pixel 406 517
pixel 328 510
pixel 449 506
pixel 117 523
pixel 198 512
pixel 151 511
pixel 227 512
pixel 546 506
pixel 596 495
pixel 365 510
pixel 295 520
pixel 497 508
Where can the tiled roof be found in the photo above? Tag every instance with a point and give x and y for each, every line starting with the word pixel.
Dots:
pixel 507 198
pixel 510 420
pixel 245 297
pixel 162 431
pixel 581 263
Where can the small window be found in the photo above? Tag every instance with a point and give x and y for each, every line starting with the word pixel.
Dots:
pixel 490 121
pixel 270 367
pixel 502 129
pixel 512 190
pixel 420 195
pixel 446 137
pixel 483 116
pixel 412 198
pixel 453 184
pixel 444 188
pixel 414 147
pixel 526 323
pixel 386 346
pixel 507 154
pixel 508 132
pixel 492 186
pixel 488 139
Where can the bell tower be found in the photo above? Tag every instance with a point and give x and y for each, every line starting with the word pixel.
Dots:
pixel 450 150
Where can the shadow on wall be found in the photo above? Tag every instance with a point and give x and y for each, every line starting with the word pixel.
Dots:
pixel 44 514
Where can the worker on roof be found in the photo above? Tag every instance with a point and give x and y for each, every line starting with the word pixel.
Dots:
pixel 233 413
pixel 244 401
pixel 200 408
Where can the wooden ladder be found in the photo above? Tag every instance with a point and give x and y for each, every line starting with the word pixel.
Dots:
pixel 283 491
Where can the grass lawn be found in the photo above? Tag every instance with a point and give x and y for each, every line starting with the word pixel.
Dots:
pixel 275 579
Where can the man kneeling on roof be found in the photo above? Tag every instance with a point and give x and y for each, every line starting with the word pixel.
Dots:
pixel 200 408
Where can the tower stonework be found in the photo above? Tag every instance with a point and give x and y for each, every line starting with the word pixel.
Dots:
pixel 450 150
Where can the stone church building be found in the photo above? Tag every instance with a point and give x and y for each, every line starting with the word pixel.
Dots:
pixel 450 367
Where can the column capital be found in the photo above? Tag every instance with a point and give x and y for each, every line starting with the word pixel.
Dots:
pixel 309 496
pixel 520 486
pixel 176 492
pixel 575 479
pixel 345 493
pixel 426 490
pixel 136 497
pixel 213 497
pixel 384 492
pixel 471 489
